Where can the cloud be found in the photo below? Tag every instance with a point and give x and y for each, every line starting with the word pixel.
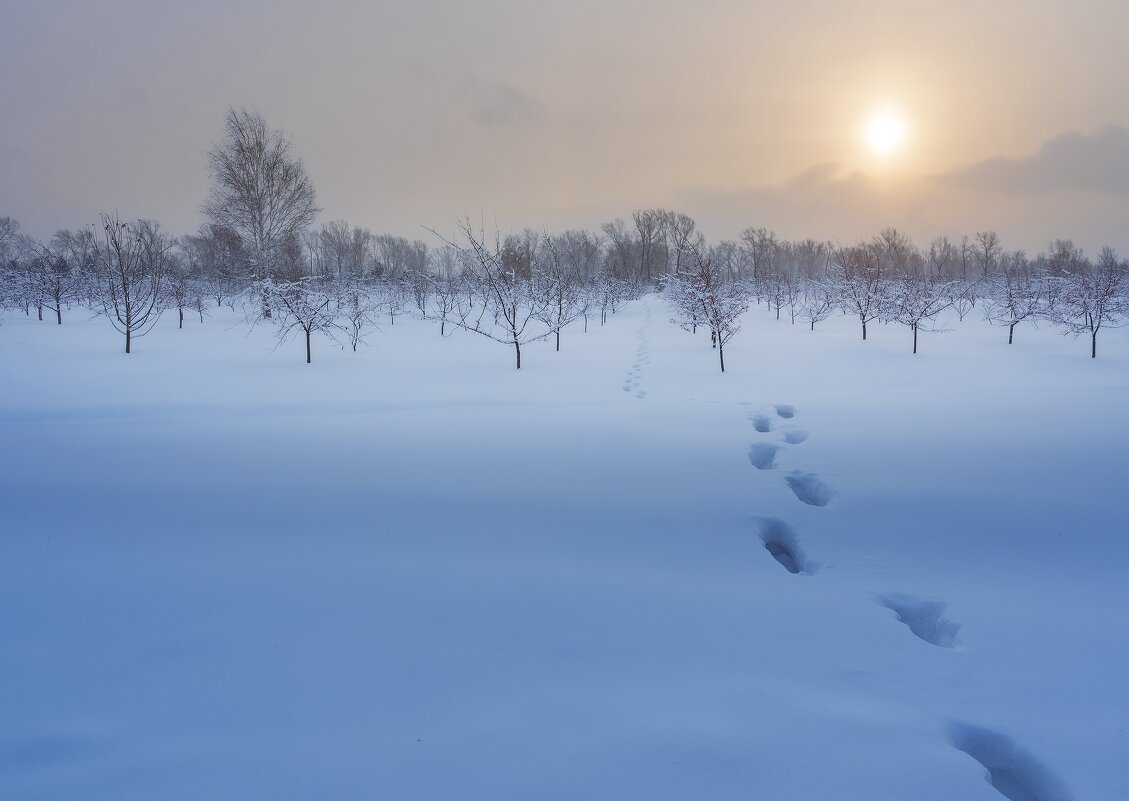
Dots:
pixel 1075 186
pixel 499 103
pixel 1089 162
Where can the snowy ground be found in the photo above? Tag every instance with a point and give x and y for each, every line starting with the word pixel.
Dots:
pixel 416 573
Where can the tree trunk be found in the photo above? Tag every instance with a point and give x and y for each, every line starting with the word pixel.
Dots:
pixel 558 340
pixel 39 309
pixel 721 356
pixel 517 350
pixel 59 314
pixel 915 339
pixel 127 339
pixel 863 318
pixel 1094 345
pixel 308 346
pixel 813 325
pixel 180 311
pixel 1010 332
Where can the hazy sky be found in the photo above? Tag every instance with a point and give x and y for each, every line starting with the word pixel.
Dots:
pixel 569 112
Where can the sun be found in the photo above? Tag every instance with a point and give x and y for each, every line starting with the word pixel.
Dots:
pixel 886 133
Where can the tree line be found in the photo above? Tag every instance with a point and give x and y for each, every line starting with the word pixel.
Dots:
pixel 259 251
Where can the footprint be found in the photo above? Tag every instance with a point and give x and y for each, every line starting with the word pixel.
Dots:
pixel 810 488
pixel 785 410
pixel 924 618
pixel 1016 774
pixel 794 436
pixel 763 455
pixel 780 541
pixel 762 424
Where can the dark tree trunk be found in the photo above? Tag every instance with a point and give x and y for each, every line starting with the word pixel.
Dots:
pixel 127 339
pixel 180 311
pixel 915 339
pixel 1010 333
pixel 721 356
pixel 558 340
pixel 517 351
pixel 1094 345
pixel 863 318
pixel 59 314
pixel 308 361
pixel 39 309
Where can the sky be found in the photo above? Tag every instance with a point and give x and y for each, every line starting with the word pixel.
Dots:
pixel 568 113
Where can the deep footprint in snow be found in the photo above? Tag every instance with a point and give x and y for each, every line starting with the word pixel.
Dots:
pixel 794 436
pixel 762 424
pixel 780 541
pixel 810 488
pixel 785 410
pixel 1016 774
pixel 763 455
pixel 924 618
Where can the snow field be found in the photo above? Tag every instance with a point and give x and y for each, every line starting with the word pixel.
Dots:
pixel 837 571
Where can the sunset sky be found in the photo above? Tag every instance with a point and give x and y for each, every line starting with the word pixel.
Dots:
pixel 571 112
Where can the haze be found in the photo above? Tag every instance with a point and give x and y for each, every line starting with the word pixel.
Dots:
pixel 561 114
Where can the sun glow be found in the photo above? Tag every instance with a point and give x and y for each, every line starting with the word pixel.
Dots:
pixel 886 133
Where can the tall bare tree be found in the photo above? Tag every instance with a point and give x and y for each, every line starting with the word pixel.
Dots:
pixel 259 190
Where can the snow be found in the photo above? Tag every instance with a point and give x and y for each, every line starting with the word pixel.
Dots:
pixel 839 570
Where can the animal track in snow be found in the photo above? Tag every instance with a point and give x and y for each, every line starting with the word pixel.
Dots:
pixel 780 541
pixel 762 423
pixel 1016 774
pixel 810 488
pixel 785 410
pixel 763 455
pixel 794 436
pixel 924 618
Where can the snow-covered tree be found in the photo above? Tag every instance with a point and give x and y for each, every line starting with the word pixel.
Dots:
pixel 915 301
pixel 1095 298
pixel 1015 296
pixel 302 305
pixel 700 296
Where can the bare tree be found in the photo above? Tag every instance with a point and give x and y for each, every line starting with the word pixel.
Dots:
pixel 818 301
pixel 131 262
pixel 916 301
pixel 1093 299
pixel 942 253
pixel 357 310
pixel 303 304
pixel 51 280
pixel 1016 296
pixel 858 277
pixel 503 305
pixel 562 292
pixel 987 249
pixel 259 191
pixel 700 296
